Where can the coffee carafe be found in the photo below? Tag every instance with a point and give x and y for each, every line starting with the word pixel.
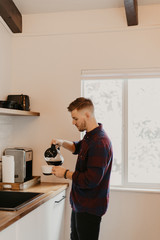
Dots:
pixel 53 156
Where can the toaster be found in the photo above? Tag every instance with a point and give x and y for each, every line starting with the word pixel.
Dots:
pixel 22 101
pixel 23 163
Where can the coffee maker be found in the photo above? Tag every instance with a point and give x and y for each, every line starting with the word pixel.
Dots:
pixel 23 162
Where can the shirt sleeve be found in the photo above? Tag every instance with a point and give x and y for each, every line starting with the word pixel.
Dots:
pixel 97 165
pixel 77 145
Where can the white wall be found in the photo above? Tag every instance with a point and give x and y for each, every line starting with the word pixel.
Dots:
pixel 5 59
pixel 47 61
pixel 6 124
pixel 131 216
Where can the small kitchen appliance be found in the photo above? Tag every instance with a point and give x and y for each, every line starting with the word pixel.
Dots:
pixel 22 101
pixel 53 156
pixel 23 162
pixel 19 102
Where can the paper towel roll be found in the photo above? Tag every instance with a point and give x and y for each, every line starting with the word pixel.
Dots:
pixel 8 169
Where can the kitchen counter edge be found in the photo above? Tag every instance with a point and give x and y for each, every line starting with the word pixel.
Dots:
pixel 50 190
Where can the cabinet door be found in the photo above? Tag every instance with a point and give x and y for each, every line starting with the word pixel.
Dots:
pixel 30 226
pixel 8 233
pixel 53 215
pixel 45 222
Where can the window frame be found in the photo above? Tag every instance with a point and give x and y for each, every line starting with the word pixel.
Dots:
pixel 125 75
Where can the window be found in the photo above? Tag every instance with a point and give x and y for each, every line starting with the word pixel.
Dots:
pixel 129 109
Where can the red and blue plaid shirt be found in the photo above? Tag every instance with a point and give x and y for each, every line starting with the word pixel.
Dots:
pixel 90 181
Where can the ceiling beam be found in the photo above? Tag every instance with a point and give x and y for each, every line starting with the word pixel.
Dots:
pixel 11 15
pixel 131 8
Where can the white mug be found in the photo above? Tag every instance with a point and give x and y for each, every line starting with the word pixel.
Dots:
pixel 46 169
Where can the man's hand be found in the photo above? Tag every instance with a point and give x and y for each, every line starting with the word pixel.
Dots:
pixel 58 171
pixel 58 142
pixel 65 144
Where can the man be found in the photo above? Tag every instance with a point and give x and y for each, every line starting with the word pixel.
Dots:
pixel 90 181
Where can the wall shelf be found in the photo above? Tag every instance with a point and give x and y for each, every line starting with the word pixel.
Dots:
pixel 15 112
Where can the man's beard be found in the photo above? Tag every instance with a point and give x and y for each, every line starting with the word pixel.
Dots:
pixel 82 127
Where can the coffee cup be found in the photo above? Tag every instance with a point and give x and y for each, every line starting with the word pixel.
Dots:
pixel 46 169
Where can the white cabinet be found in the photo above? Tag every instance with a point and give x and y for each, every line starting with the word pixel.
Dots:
pixel 9 233
pixel 53 218
pixel 45 222
pixel 30 226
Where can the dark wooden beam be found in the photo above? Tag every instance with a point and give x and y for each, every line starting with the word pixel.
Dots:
pixel 131 8
pixel 11 15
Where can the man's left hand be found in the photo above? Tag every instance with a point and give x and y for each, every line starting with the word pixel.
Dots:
pixel 58 171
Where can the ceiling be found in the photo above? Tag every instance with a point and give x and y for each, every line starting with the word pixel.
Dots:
pixel 47 6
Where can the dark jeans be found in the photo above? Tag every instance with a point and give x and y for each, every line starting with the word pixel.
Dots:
pixel 84 226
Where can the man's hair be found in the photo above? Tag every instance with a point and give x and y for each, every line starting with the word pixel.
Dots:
pixel 81 103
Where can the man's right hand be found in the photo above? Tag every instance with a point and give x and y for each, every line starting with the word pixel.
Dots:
pixel 63 143
pixel 58 142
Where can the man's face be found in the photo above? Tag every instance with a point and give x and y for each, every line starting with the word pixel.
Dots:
pixel 79 119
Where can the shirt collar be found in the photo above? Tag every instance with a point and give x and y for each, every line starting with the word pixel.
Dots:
pixel 94 131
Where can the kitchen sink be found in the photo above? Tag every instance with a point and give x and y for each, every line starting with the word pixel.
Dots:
pixel 12 201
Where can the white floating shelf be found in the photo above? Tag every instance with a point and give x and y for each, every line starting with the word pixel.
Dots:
pixel 15 112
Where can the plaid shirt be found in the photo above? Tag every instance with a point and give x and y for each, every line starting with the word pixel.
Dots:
pixel 90 181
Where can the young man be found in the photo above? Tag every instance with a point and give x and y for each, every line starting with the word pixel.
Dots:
pixel 90 181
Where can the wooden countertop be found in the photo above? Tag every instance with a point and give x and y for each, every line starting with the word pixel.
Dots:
pixel 50 190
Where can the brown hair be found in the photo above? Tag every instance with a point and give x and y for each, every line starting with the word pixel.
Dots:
pixel 80 103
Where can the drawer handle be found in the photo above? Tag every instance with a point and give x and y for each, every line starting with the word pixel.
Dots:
pixel 60 199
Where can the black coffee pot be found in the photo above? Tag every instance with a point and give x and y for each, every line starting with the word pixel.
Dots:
pixel 53 156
